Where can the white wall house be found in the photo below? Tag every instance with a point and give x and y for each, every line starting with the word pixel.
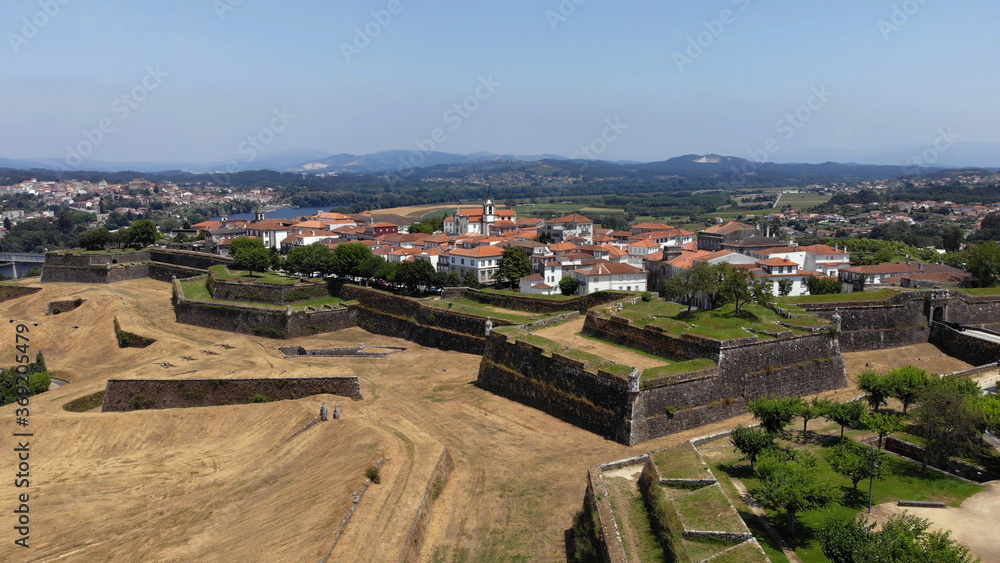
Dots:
pixel 610 277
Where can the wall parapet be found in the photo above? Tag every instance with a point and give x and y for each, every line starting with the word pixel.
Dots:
pixel 124 395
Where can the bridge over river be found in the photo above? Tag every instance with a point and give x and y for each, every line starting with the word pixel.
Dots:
pixel 14 264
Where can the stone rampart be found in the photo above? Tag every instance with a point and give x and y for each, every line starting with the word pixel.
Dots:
pixel 651 339
pixel 559 386
pixel 257 292
pixel 188 259
pixel 259 321
pixel 165 272
pixel 964 346
pixel 954 466
pixel 8 292
pixel 601 403
pixel 535 304
pixel 94 274
pixel 122 395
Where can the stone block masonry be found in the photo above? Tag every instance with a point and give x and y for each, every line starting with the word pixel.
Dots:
pixel 534 304
pixel 259 321
pixel 123 395
pixel 8 292
pixel 601 402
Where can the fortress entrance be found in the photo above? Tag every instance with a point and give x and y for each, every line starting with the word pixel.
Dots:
pixel 938 314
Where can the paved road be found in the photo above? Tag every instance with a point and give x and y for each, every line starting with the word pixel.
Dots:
pixel 983 335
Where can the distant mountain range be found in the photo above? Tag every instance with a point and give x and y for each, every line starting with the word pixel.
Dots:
pixel 717 168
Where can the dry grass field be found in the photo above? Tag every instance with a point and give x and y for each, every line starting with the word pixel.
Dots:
pixel 223 483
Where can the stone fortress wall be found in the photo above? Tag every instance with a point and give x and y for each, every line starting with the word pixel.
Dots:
pixel 123 395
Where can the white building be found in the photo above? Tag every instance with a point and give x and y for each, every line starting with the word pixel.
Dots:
pixel 610 277
pixel 477 221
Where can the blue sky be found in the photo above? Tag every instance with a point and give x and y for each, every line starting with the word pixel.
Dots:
pixel 716 76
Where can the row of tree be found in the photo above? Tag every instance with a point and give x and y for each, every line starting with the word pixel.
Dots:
pixel 718 284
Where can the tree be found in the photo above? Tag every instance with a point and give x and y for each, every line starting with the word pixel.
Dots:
pixel 244 243
pixel 6 223
pixel 854 461
pixel 785 287
pixel 686 286
pixel 843 538
pixel 741 286
pixel 876 388
pixel 369 266
pixel 810 410
pixel 94 239
pixel 253 259
pixel 447 279
pixel 751 442
pixel 948 421
pixel 790 482
pixel 514 264
pixel 415 273
pixel 906 383
pixel 983 262
pixel 142 233
pixel 883 424
pixel 774 413
pixel 952 238
pixel 848 413
pixel 309 259
pixel 904 538
pixel 823 285
pixel 569 285
pixel 347 258
pixel 470 280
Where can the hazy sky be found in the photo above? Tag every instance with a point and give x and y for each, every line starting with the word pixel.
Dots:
pixel 191 80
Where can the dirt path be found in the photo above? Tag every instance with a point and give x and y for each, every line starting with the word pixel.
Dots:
pixel 973 524
pixel 568 334
pixel 765 521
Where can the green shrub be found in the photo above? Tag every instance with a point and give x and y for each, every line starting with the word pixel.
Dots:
pixel 259 398
pixel 77 302
pixel 269 332
pixel 647 296
pixel 437 487
pixel 374 474
pixel 139 402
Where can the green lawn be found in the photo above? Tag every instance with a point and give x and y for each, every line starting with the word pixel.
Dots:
pixel 680 462
pixel 225 274
pixel 720 324
pixel 880 295
pixel 196 291
pixel 708 509
pixel 630 514
pixel 982 290
pixel 471 307
pixel 904 483
pixel 558 297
